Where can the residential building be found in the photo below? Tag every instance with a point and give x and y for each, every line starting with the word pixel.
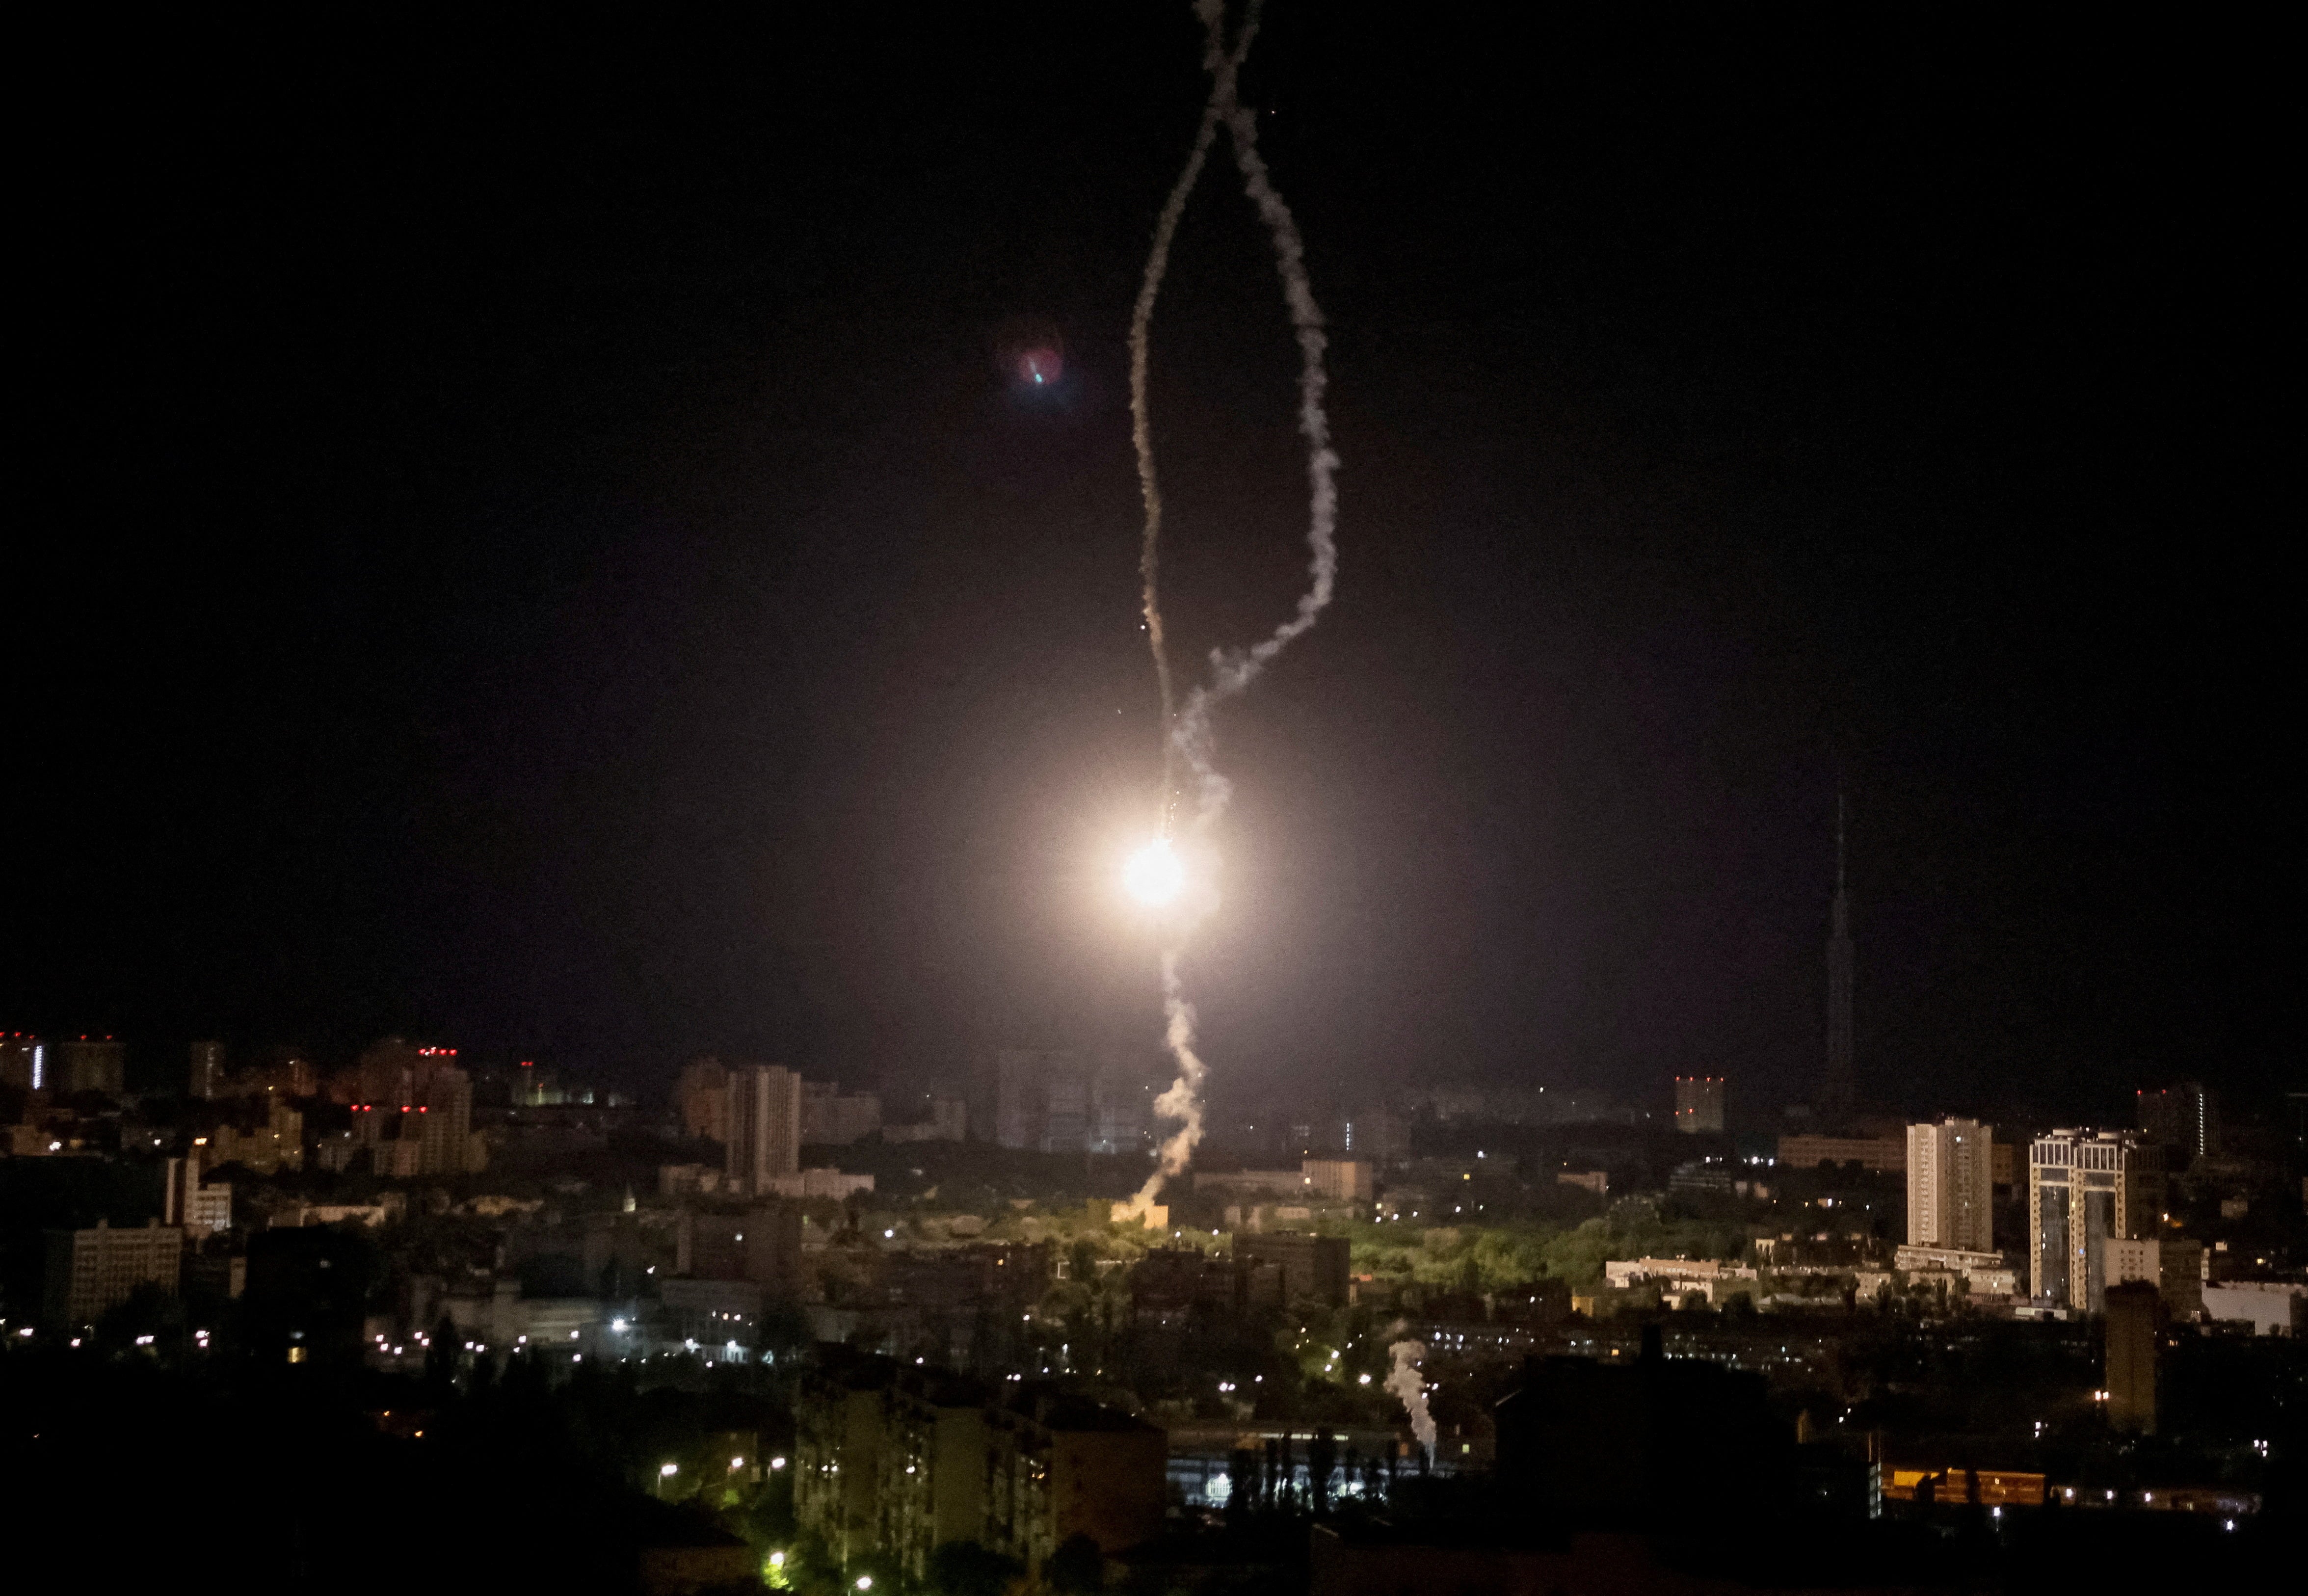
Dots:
pixel 23 1062
pixel 1060 1465
pixel 92 1271
pixel 701 1095
pixel 1250 1183
pixel 839 1430
pixel 1699 1104
pixel 1055 1100
pixel 764 1140
pixel 277 1144
pixel 1313 1266
pixel 1338 1180
pixel 2086 1187
pixel 762 1244
pixel 2186 1116
pixel 2130 1380
pixel 1885 1155
pixel 2173 1265
pixel 1982 1273
pixel 203 1209
pixel 713 1312
pixel 395 1073
pixel 948 1121
pixel 91 1064
pixel 831 1117
pixel 817 1182
pixel 1951 1186
pixel 205 1075
pixel 1376 1135
pixel 444 1123
pixel 2271 1307
pixel 934 1465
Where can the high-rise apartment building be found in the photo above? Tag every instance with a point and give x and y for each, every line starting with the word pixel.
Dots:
pixel 92 1271
pixel 2186 1116
pixel 1699 1104
pixel 830 1117
pixel 204 1079
pixel 443 1123
pixel 1376 1134
pixel 91 1064
pixel 24 1061
pixel 765 1125
pixel 2086 1189
pixel 702 1096
pixel 2132 1310
pixel 1053 1100
pixel 202 1207
pixel 395 1072
pixel 1951 1186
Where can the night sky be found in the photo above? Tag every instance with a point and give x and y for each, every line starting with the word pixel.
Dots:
pixel 528 542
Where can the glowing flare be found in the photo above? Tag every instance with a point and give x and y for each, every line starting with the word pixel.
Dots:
pixel 1155 873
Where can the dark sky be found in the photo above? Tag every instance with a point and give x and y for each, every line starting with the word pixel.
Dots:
pixel 526 540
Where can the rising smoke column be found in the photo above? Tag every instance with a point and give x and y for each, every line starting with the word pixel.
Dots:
pixel 1189 737
pixel 1407 1382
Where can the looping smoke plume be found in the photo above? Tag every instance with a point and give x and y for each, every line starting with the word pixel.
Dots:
pixel 1189 737
pixel 1407 1382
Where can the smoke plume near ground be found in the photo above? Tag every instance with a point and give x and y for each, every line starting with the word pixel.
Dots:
pixel 1190 737
pixel 1407 1382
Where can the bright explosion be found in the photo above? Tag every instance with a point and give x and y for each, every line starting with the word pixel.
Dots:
pixel 1155 873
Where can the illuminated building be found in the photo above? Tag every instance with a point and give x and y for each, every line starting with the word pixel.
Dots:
pixel 765 1125
pixel 1951 1186
pixel 2132 1310
pixel 1699 1104
pixel 2084 1188
pixel 92 1271
pixel 205 1073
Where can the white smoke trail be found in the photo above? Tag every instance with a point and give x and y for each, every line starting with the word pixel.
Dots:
pixel 1407 1382
pixel 1222 65
pixel 1191 736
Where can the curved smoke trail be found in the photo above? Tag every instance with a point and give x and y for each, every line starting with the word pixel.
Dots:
pixel 1189 736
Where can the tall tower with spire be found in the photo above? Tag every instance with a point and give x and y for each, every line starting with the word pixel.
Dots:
pixel 1838 1091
